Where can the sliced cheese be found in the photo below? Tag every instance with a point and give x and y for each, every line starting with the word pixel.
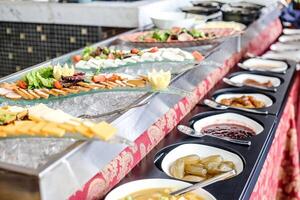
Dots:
pixel 103 130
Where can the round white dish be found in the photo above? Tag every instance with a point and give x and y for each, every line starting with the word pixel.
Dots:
pixel 283 55
pixel 202 151
pixel 167 20
pixel 290 31
pixel 240 78
pixel 265 65
pixel 135 186
pixel 289 38
pixel 291 46
pixel 229 118
pixel 261 97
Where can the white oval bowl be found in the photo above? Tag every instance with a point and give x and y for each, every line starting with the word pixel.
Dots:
pixel 283 55
pixel 265 65
pixel 202 151
pixel 167 20
pixel 135 186
pixel 289 38
pixel 240 78
pixel 285 46
pixel 261 97
pixel 230 118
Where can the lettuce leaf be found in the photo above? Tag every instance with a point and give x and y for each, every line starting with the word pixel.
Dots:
pixel 40 78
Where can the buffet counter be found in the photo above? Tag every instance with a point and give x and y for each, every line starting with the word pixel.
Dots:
pixel 88 170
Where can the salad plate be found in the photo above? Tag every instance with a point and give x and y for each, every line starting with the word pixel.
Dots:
pixel 179 37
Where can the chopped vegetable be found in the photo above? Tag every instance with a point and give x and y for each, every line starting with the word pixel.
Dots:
pixel 57 85
pixel 76 58
pixel 161 36
pixel 40 78
pixel 135 51
pixel 198 56
pixel 22 84
pixel 153 49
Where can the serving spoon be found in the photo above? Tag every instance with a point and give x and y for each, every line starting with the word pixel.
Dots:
pixel 235 84
pixel 191 132
pixel 216 105
pixel 207 182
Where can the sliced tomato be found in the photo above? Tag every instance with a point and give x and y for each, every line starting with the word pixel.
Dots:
pixel 57 85
pixel 198 56
pixel 76 58
pixel 135 51
pixel 99 78
pixel 153 49
pixel 22 84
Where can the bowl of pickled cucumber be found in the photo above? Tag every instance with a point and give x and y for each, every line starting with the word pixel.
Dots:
pixel 197 162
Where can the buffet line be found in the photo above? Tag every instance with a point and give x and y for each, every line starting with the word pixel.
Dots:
pixel 220 145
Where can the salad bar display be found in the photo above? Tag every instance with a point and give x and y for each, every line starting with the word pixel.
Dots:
pixel 87 119
pixel 179 36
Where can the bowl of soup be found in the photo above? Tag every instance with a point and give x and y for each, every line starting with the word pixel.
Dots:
pixel 156 189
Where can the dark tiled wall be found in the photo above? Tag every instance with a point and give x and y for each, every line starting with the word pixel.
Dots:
pixel 25 44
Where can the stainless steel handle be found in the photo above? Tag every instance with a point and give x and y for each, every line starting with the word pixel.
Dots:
pixel 204 183
pixel 235 141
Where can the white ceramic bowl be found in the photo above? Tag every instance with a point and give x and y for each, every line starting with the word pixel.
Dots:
pixel 202 151
pixel 230 118
pixel 135 186
pixel 167 20
pixel 265 65
pixel 240 78
pixel 261 97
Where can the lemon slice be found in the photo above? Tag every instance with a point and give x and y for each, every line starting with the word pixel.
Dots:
pixel 159 80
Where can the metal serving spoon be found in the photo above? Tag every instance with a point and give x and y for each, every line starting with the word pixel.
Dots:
pixel 191 132
pixel 230 82
pixel 216 105
pixel 207 182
